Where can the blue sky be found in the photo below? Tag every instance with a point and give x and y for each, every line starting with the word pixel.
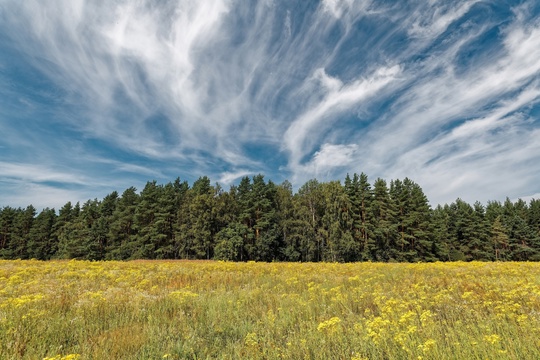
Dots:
pixel 97 96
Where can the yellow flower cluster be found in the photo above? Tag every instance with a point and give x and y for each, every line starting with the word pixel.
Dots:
pixel 329 325
pixel 207 309
pixel 64 357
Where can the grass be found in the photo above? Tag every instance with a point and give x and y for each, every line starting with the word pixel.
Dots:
pixel 216 310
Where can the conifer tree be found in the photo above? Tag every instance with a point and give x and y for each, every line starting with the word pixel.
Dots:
pixel 480 248
pixel 522 240
pixel 385 228
pixel 66 228
pixel 461 227
pixel 165 219
pixel 7 219
pixel 419 224
pixel 142 244
pixel 265 223
pixel 499 239
pixel 258 220
pixel 122 229
pixel 310 210
pixel 22 224
pixel 534 216
pixel 443 239
pixel 287 223
pixel 367 222
pixel 42 243
pixel 354 191
pixel 194 233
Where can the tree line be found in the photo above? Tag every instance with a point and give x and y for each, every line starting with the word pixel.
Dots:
pixel 260 220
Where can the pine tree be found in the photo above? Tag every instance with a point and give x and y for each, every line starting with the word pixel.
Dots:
pixel 201 224
pixel 265 221
pixel 414 242
pixel 337 224
pixel 499 239
pixel 42 243
pixel 246 206
pixel 478 243
pixel 462 223
pixel 493 210
pixel 78 238
pixel 22 224
pixel 419 224
pixel 194 235
pixel 92 238
pixel 101 226
pixel 384 215
pixel 122 227
pixel 287 223
pixel 64 228
pixel 7 220
pixel 354 191
pixel 309 209
pixel 164 227
pixel 521 237
pixel 534 225
pixel 534 216
pixel 400 197
pixel 142 245
pixel 367 222
pixel 443 238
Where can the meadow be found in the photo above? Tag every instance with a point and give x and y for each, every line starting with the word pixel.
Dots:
pixel 225 310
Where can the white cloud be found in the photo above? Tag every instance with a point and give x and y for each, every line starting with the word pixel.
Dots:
pixel 228 177
pixel 330 157
pixel 337 7
pixel 489 156
pixel 304 132
pixel 528 198
pixel 196 84
pixel 433 102
pixel 38 173
pixel 41 196
pixel 433 20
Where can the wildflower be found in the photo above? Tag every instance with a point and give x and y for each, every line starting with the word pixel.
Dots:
pixel 329 324
pixel 358 357
pixel 427 345
pixel 251 339
pixel 492 339
pixel 425 317
pixel 65 357
pixel 406 317
pixel 411 329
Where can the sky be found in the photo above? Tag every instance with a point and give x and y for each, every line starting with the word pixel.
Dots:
pixel 98 96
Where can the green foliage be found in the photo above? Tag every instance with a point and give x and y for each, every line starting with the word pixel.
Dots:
pixel 122 226
pixel 259 220
pixel 230 242
pixel 42 243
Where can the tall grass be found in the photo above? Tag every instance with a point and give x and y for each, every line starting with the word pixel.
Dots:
pixel 215 310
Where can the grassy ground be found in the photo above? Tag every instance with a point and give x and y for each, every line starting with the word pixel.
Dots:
pixel 215 310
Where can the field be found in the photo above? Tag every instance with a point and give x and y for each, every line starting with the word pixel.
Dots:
pixel 217 310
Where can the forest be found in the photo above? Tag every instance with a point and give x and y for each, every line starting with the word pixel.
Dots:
pixel 263 221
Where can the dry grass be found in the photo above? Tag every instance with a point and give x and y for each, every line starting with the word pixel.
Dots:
pixel 215 310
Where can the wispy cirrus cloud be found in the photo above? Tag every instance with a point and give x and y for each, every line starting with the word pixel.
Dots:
pixel 303 133
pixel 38 173
pixel 478 151
pixel 118 92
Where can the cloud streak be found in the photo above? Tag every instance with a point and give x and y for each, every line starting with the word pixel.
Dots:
pixel 122 91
